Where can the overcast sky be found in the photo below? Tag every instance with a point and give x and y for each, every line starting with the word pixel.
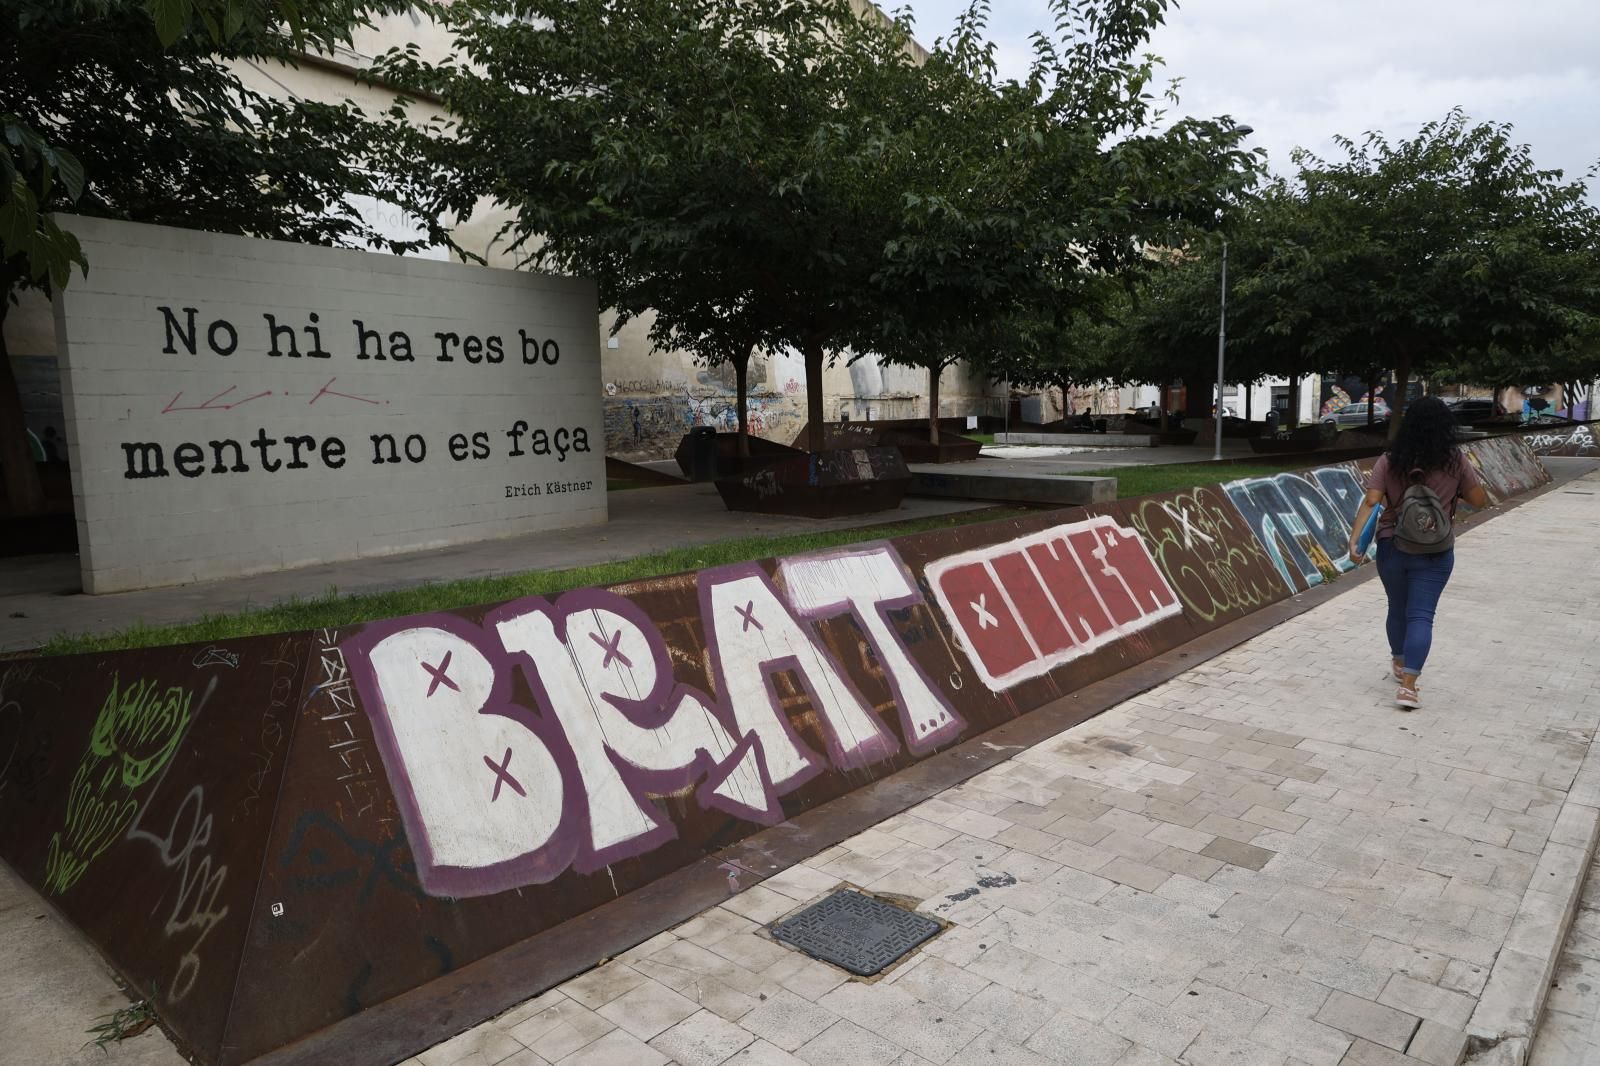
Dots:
pixel 1300 71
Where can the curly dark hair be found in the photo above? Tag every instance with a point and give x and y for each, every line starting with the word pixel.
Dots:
pixel 1427 438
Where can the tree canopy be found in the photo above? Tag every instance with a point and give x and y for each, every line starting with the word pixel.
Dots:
pixel 134 110
pixel 810 166
pixel 1448 253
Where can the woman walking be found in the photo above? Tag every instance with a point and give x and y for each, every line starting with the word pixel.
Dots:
pixel 1418 481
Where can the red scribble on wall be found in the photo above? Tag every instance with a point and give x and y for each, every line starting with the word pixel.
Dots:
pixel 212 404
pixel 326 391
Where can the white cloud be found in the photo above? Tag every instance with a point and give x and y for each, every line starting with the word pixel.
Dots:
pixel 1300 71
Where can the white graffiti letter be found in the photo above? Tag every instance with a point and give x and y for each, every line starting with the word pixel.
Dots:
pixel 602 666
pixel 486 789
pixel 751 635
pixel 868 584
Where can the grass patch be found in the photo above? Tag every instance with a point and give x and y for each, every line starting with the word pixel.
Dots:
pixel 981 438
pixel 121 1024
pixel 1148 480
pixel 332 609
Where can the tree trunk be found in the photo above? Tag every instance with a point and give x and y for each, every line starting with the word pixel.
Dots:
pixel 1249 395
pixel 935 370
pixel 1292 415
pixel 1372 400
pixel 24 495
pixel 1402 380
pixel 1197 397
pixel 1166 401
pixel 741 388
pixel 814 356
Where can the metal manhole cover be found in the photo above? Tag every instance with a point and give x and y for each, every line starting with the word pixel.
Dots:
pixel 855 931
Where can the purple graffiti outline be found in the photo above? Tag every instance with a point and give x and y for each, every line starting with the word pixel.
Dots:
pixel 871 750
pixel 651 712
pixel 933 739
pixel 539 866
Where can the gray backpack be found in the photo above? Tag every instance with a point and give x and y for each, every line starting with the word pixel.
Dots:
pixel 1422 523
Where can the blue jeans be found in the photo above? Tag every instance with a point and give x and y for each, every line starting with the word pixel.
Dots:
pixel 1414 584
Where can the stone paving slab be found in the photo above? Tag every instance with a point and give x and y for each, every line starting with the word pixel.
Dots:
pixel 53 988
pixel 1569 1032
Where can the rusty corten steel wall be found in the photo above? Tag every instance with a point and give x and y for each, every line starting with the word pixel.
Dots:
pixel 1571 441
pixel 136 792
pixel 1508 465
pixel 269 836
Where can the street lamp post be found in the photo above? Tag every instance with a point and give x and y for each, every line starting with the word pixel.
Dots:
pixel 1222 318
pixel 1222 342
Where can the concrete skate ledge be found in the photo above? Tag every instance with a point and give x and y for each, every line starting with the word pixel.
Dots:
pixel 1080 440
pixel 1049 490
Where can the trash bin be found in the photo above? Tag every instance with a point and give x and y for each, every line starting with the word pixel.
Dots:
pixel 702 453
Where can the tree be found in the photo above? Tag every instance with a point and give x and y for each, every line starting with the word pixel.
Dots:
pixel 121 109
pixel 1421 253
pixel 1069 345
pixel 798 162
pixel 691 155
pixel 1035 200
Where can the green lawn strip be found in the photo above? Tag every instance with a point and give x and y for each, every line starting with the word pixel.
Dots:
pixel 333 609
pixel 1149 480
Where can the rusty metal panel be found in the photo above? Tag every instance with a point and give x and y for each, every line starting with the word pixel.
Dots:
pixel 822 484
pixel 137 791
pixel 1204 546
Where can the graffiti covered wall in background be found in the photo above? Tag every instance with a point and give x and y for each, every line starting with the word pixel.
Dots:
pixel 642 426
pixel 330 819
pixel 1565 441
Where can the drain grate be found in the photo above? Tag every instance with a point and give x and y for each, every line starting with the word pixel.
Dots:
pixel 855 931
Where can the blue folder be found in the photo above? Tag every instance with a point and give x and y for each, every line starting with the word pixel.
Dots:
pixel 1368 531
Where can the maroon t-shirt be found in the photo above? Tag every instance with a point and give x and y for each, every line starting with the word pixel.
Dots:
pixel 1449 483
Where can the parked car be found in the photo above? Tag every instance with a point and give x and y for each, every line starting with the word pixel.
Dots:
pixel 1470 412
pixel 1352 415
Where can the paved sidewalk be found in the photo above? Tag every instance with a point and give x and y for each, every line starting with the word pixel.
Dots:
pixel 1569 1032
pixel 53 987
pixel 1260 863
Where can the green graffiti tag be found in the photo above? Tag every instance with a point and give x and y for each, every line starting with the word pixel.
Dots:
pixel 1208 553
pixel 135 734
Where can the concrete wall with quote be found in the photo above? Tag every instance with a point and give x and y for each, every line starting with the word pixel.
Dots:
pixel 229 412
